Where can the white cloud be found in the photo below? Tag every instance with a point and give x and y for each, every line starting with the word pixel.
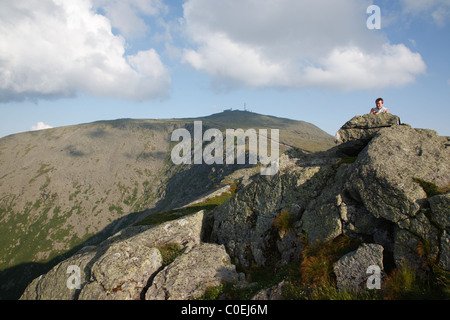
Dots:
pixel 55 48
pixel 349 68
pixel 294 44
pixel 128 16
pixel 40 126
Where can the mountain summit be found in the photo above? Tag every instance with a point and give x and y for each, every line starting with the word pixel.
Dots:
pixel 365 220
pixel 67 187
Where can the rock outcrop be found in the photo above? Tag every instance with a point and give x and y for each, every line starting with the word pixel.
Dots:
pixel 391 195
pixel 357 132
pixel 121 266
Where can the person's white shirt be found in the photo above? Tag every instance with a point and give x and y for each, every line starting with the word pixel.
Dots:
pixel 377 111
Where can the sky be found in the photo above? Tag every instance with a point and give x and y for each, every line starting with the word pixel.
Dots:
pixel 66 62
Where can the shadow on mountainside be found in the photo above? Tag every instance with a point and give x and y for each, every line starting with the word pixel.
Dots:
pixel 14 280
pixel 185 184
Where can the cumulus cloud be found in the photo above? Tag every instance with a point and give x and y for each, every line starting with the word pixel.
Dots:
pixel 129 16
pixel 294 44
pixel 40 126
pixel 55 48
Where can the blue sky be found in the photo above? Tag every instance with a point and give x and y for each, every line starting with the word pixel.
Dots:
pixel 71 62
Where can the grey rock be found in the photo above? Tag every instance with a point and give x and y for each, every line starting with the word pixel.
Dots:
pixel 364 127
pixel 123 271
pixel 440 207
pixel 405 249
pixel 351 269
pixel 245 223
pixel 53 285
pixel 191 274
pixel 273 293
pixel 444 257
pixel 120 267
pixel 354 135
pixel 382 177
pixel 322 223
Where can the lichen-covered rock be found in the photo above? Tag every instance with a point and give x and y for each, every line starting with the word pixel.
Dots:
pixel 440 207
pixel 123 271
pixel 364 127
pixel 384 181
pixel 383 176
pixel 188 277
pixel 322 222
pixel 53 285
pixel 351 269
pixel 245 223
pixel 120 267
pixel 354 135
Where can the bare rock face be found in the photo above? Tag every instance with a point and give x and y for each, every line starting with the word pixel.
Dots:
pixel 386 180
pixel 364 127
pixel 122 272
pixel 357 132
pixel 191 274
pixel 245 223
pixel 121 266
pixel 53 285
pixel 351 269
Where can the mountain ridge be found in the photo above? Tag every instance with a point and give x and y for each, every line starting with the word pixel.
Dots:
pixel 64 186
pixel 366 220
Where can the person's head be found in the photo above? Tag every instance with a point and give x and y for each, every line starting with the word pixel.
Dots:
pixel 379 103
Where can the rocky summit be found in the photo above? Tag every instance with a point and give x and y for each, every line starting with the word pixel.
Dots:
pixel 368 218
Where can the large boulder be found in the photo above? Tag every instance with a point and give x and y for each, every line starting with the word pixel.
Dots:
pixel 364 127
pixel 121 266
pixel 386 180
pixel 53 285
pixel 188 277
pixel 386 172
pixel 357 132
pixel 353 269
pixel 122 272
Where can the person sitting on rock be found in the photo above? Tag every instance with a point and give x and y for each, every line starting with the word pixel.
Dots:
pixel 379 107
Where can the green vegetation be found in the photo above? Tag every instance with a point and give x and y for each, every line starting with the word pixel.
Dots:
pixel 214 292
pixel 45 168
pixel 169 252
pixel 116 208
pixel 207 205
pixel 316 268
pixel 346 160
pixel 284 222
pixel 430 188
pixel 312 278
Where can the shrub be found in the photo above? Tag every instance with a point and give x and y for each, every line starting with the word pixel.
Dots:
pixel 169 252
pixel 317 264
pixel 284 222
pixel 402 283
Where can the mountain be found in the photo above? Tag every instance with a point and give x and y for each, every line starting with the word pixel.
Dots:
pixel 365 219
pixel 65 188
